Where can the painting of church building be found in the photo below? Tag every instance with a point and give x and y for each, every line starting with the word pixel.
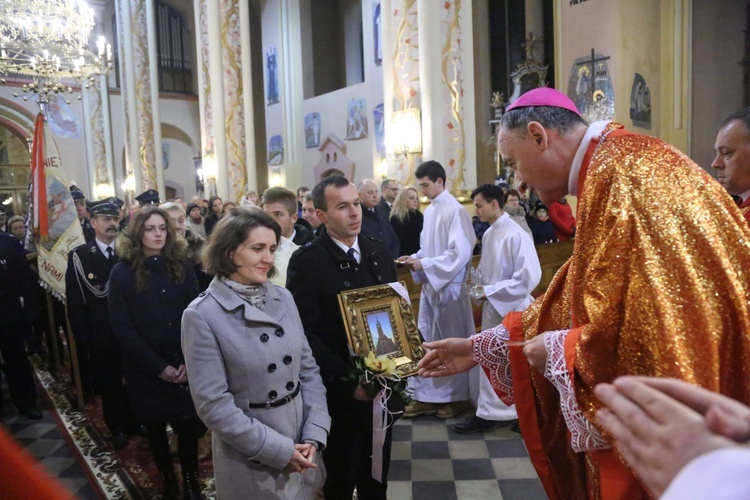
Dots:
pixel 381 332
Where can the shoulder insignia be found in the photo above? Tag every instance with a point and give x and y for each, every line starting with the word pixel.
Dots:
pixel 203 293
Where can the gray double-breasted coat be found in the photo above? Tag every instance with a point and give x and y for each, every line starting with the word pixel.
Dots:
pixel 236 355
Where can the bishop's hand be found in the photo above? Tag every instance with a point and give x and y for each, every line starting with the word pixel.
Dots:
pixel 447 357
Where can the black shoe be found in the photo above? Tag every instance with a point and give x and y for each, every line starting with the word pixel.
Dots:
pixel 476 424
pixel 169 486
pixel 31 412
pixel 119 440
pixel 191 485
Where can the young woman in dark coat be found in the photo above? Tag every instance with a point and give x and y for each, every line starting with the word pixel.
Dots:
pixel 215 212
pixel 407 220
pixel 149 288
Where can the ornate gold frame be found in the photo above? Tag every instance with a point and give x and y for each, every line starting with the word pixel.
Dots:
pixel 357 304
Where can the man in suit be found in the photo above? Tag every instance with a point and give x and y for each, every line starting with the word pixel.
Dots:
pixel 732 162
pixel 389 189
pixel 341 259
pixel 80 200
pixel 87 284
pixel 375 221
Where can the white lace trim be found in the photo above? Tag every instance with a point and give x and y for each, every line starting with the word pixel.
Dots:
pixel 491 351
pixel 584 436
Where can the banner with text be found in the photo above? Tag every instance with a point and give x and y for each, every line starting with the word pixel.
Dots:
pixel 54 220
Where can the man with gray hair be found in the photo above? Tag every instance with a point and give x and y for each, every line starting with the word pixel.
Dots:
pixel 375 222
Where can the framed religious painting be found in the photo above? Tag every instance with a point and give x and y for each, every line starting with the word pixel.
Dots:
pixel 379 319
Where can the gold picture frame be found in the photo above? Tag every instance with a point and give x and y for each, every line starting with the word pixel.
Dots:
pixel 384 310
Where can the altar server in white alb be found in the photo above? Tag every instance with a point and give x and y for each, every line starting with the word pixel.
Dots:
pixel 441 265
pixel 509 270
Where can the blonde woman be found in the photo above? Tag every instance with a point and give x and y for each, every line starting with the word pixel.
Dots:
pixel 407 220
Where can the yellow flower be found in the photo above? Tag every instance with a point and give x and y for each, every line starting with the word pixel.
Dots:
pixel 381 364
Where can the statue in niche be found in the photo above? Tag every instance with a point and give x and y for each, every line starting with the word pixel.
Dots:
pixel 531 73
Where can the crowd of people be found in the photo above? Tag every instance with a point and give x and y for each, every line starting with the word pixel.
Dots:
pixel 226 317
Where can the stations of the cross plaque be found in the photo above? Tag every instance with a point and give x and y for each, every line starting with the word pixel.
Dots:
pixel 593 62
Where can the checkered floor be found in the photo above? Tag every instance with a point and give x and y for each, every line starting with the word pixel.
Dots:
pixel 44 441
pixel 428 461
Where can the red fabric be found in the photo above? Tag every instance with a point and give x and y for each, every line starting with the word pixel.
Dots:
pixel 745 209
pixel 21 477
pixel 39 182
pixel 523 392
pixel 562 218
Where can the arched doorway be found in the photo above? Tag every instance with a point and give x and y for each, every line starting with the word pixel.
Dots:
pixel 14 171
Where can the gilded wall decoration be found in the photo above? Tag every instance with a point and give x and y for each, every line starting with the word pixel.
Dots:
pixel 451 67
pixel 234 108
pixel 141 63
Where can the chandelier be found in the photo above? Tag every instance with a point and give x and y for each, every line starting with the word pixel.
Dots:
pixel 48 41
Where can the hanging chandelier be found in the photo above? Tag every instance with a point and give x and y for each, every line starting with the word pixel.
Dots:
pixel 48 42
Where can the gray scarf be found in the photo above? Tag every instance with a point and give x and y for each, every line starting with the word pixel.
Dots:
pixel 255 295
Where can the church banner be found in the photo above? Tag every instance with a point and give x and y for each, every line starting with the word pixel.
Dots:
pixel 55 224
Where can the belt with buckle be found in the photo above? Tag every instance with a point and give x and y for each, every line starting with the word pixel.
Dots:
pixel 277 402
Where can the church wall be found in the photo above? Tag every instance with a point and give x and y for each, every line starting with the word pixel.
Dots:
pixel 717 80
pixel 583 26
pixel 333 106
pixel 637 42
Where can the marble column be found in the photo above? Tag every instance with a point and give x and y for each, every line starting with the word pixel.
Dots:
pixel 98 139
pixel 431 67
pixel 140 93
pixel 224 78
pixel 401 84
pixel 446 71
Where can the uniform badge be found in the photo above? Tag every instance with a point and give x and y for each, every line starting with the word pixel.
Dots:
pixel 91 276
pixel 93 249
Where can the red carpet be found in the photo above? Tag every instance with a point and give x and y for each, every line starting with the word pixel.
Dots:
pixel 126 473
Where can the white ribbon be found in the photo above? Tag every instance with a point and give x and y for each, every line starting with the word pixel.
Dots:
pixel 380 414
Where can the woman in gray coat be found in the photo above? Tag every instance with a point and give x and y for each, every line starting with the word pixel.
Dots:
pixel 254 380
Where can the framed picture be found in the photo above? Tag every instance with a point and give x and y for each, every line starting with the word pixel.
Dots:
pixel 379 319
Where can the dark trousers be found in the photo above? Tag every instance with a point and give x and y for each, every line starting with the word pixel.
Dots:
pixel 348 455
pixel 189 430
pixel 16 365
pixel 106 369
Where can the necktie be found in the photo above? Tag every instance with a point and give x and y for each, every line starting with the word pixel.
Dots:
pixel 110 253
pixel 350 254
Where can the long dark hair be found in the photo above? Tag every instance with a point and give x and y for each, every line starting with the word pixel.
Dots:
pixel 129 246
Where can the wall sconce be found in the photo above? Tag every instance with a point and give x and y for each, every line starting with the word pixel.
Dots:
pixel 103 190
pixel 129 185
pixel 275 179
pixel 210 168
pixel 406 132
pixel 382 169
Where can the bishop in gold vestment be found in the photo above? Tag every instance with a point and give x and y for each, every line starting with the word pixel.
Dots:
pixel 657 285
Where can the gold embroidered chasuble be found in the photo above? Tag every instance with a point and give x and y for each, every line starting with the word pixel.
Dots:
pixel 657 285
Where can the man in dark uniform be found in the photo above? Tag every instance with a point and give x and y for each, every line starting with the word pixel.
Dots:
pixel 86 285
pixel 80 200
pixel 148 197
pixel 336 261
pixel 17 306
